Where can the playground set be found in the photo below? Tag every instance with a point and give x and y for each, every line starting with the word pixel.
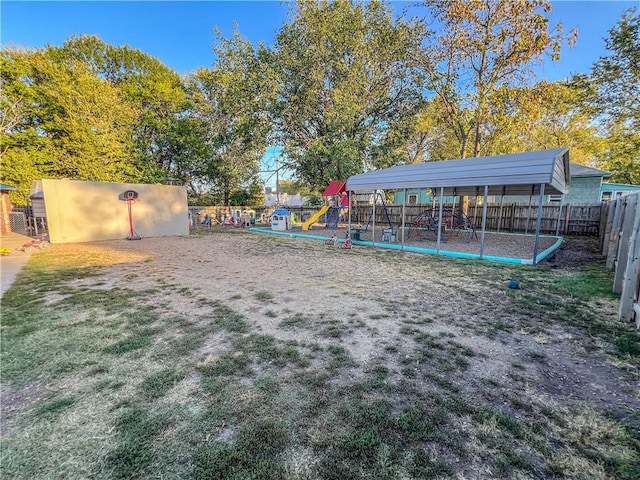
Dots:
pixel 336 208
pixel 454 222
pixel 235 218
pixel 39 242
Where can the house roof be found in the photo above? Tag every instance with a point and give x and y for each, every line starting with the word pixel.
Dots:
pixel 336 187
pixel 7 188
pixel 584 171
pixel 513 174
pixel 627 187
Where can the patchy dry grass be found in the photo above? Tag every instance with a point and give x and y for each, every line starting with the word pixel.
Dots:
pixel 114 365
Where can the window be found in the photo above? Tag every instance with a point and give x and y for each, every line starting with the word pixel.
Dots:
pixel 555 198
pixel 606 196
pixel 413 199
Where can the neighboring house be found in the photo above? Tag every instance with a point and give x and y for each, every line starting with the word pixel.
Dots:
pixel 610 191
pixel 587 186
pixel 271 199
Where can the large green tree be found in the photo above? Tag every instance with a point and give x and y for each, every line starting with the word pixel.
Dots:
pixel 345 87
pixel 231 101
pixel 542 116
pixel 612 95
pixel 151 87
pixel 481 46
pixel 92 111
pixel 61 121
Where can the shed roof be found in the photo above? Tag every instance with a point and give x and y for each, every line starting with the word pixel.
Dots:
pixel 513 174
pixel 7 188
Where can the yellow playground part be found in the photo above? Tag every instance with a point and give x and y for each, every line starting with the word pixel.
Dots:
pixel 314 219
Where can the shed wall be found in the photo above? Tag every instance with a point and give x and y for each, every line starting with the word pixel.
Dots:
pixel 89 211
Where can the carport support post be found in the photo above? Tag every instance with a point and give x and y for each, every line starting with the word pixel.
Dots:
pixel 373 217
pixel 538 223
pixel 404 204
pixel 349 211
pixel 526 225
pixel 440 219
pixel 484 218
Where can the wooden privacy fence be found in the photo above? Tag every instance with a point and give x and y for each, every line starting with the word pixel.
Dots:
pixel 620 237
pixel 574 219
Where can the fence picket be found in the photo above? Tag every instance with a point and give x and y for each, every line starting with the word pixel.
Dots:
pixel 630 282
pixel 626 231
pixel 622 247
pixel 612 251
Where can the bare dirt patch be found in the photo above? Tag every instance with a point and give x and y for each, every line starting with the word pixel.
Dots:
pixel 364 298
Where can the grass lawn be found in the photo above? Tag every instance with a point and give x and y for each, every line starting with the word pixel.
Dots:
pixel 231 355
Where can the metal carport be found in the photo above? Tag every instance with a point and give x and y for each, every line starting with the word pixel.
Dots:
pixel 528 173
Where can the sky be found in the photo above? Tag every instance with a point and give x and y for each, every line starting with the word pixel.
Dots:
pixel 181 34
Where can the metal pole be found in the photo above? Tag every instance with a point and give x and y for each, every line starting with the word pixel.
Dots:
pixel 349 213
pixel 484 218
pixel 404 204
pixel 440 219
pixel 373 226
pixel 538 223
pixel 526 226
pixel 277 183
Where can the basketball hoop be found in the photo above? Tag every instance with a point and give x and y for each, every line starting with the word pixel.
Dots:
pixel 130 196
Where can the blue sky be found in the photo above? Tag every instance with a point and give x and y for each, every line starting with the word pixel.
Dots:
pixel 180 34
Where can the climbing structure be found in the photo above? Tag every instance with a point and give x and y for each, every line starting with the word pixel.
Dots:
pixel 454 222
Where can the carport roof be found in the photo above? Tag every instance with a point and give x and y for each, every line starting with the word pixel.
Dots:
pixel 513 174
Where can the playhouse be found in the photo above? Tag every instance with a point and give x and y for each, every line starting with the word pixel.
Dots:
pixel 281 220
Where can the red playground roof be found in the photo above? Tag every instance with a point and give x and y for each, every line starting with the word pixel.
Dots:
pixel 336 187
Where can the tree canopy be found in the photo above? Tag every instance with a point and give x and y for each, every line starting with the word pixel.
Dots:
pixel 611 94
pixel 348 86
pixel 345 85
pixel 479 47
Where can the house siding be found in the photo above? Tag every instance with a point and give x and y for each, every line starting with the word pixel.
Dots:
pixel 584 190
